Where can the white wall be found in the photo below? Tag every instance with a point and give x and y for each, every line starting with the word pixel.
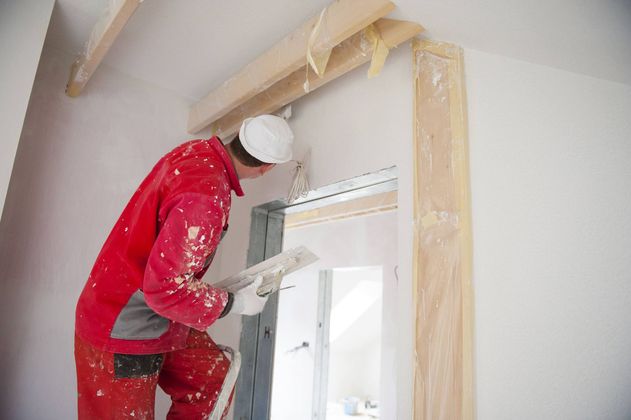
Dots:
pixel 78 162
pixel 23 26
pixel 550 171
pixel 552 238
pixel 338 244
pixel 355 355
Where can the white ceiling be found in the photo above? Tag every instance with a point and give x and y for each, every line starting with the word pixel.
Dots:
pixel 191 46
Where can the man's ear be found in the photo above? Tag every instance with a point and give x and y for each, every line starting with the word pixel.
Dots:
pixel 267 167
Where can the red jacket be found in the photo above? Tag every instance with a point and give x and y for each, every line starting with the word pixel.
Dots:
pixel 145 289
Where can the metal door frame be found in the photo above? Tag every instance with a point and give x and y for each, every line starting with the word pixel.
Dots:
pixel 254 386
pixel 321 368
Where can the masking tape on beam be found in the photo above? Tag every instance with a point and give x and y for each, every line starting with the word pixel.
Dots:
pixel 379 50
pixel 373 41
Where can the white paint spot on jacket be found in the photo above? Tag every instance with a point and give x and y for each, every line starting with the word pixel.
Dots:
pixel 192 232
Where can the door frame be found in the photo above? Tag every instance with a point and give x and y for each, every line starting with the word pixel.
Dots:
pixel 254 385
pixel 321 369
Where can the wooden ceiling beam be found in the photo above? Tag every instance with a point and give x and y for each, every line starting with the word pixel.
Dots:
pixel 347 56
pixel 342 19
pixel 101 39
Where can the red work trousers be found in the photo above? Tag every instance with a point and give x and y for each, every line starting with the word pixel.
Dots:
pixel 119 386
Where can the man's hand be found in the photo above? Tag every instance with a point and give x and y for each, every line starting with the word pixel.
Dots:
pixel 246 301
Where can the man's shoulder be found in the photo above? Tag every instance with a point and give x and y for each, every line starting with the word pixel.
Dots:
pixel 193 167
pixel 197 176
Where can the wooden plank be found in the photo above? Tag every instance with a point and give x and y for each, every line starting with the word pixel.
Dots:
pixel 443 384
pixel 347 56
pixel 343 18
pixel 359 207
pixel 103 36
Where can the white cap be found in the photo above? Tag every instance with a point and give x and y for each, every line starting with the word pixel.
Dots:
pixel 268 138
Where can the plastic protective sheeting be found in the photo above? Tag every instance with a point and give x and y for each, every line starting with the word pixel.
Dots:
pixel 340 20
pixel 443 384
pixel 317 59
pixel 318 38
pixel 349 54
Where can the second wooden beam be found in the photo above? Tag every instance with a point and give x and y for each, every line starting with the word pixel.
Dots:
pixel 347 56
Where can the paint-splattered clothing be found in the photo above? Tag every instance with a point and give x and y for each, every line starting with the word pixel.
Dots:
pixel 145 290
pixel 120 386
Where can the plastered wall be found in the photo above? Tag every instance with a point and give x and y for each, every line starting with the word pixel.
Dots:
pixel 552 237
pixel 79 161
pixel 550 177
pixel 552 240
pixel 23 26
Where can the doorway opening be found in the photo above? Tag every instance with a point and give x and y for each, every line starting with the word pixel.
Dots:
pixel 347 368
pixel 324 347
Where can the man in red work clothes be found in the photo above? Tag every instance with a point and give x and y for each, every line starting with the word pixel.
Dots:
pixel 141 319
